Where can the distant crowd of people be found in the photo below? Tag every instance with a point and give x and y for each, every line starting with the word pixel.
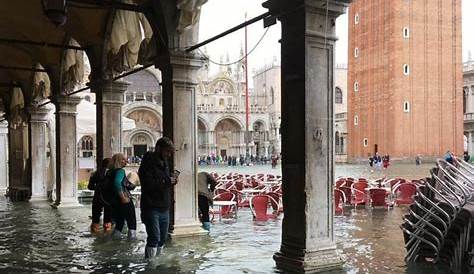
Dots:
pixel 378 161
pixel 241 160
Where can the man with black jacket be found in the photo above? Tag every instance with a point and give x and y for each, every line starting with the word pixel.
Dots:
pixel 156 185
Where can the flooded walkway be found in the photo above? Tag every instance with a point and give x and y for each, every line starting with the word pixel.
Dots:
pixel 37 239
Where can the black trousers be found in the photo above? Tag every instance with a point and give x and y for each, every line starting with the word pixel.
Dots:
pixel 203 204
pixel 97 207
pixel 125 212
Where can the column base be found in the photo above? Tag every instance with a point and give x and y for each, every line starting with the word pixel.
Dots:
pixel 67 204
pixel 301 261
pixel 39 198
pixel 188 230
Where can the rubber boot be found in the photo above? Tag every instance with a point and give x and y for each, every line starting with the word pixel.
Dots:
pixel 107 227
pixel 150 252
pixel 116 235
pixel 206 226
pixel 132 235
pixel 95 228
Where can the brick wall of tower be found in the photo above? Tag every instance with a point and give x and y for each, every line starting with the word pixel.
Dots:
pixel 433 87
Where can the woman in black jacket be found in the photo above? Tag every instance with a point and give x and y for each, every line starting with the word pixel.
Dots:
pixel 156 181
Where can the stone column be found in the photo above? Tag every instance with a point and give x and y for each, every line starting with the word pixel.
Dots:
pixel 180 123
pixel 66 154
pixel 470 144
pixel 109 118
pixel 266 145
pixel 307 67
pixel 3 154
pixel 39 118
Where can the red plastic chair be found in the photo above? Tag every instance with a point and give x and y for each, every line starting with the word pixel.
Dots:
pixel 347 189
pixel 340 182
pixel 404 193
pixel 359 196
pixel 225 210
pixel 259 207
pixel 276 202
pixel 377 197
pixel 339 200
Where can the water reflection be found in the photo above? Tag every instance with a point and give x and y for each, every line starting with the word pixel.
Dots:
pixel 37 239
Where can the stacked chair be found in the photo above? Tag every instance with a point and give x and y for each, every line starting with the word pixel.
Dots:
pixel 437 228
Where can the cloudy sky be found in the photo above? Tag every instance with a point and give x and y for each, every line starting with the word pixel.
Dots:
pixel 220 15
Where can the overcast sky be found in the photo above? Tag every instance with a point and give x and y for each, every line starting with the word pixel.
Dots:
pixel 220 15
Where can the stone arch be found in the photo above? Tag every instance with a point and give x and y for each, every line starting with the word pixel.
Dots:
pixel 146 117
pixel 260 124
pixel 228 136
pixel 141 141
pixel 230 117
pixel 223 85
pixel 203 124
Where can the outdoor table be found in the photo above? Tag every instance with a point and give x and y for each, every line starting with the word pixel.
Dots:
pixel 226 203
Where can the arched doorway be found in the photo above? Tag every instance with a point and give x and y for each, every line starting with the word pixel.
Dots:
pixel 141 143
pixel 228 133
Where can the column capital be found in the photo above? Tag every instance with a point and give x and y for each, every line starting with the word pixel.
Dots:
pixel 112 92
pixel 66 104
pixel 336 7
pixel 185 65
pixel 39 114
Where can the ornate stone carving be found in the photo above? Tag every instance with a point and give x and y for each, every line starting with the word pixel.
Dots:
pixel 41 86
pixel 73 67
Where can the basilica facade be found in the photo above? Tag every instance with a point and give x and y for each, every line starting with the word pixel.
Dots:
pixel 222 116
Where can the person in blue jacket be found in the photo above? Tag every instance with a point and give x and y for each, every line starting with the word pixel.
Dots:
pixel 123 208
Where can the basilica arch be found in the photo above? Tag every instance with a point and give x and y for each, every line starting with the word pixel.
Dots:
pixel 229 137
pixel 204 140
pixel 141 140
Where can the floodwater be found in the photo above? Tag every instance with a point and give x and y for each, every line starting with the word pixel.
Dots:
pixel 37 239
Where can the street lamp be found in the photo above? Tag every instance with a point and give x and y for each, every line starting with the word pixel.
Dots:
pixel 56 11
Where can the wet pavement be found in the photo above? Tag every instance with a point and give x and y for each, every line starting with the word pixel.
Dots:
pixel 37 239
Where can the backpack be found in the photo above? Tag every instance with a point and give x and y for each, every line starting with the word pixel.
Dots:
pixel 106 189
pixel 107 192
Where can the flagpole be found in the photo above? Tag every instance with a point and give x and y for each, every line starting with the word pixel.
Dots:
pixel 247 137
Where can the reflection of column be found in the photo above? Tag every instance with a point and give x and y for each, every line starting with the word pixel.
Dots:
pixel 39 160
pixel 66 163
pixel 3 154
pixel 307 67
pixel 179 88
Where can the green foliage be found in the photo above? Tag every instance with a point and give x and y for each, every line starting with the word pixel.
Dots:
pixel 83 184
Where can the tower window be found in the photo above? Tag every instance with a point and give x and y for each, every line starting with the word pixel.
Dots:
pixel 356 19
pixel 356 120
pixel 356 52
pixel 356 86
pixel 406 106
pixel 338 98
pixel 366 142
pixel 406 69
pixel 406 32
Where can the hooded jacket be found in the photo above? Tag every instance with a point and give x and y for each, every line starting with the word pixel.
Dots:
pixel 155 182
